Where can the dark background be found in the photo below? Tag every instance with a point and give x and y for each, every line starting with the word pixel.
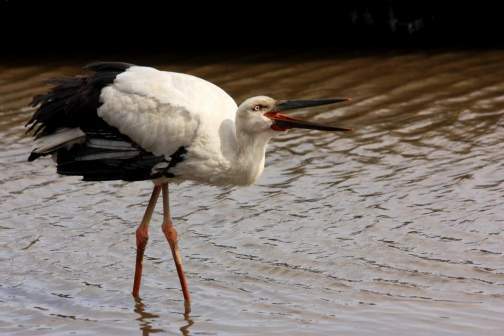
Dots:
pixel 86 28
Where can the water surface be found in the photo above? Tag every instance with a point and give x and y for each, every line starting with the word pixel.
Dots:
pixel 396 227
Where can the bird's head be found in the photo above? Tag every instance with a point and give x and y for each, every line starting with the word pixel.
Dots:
pixel 264 114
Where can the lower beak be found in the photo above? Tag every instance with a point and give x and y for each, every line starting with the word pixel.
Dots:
pixel 282 122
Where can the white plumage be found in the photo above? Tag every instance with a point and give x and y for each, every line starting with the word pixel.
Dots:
pixel 162 111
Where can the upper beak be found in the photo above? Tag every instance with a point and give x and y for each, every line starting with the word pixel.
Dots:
pixel 282 122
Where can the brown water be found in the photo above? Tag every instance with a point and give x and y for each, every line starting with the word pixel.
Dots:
pixel 396 227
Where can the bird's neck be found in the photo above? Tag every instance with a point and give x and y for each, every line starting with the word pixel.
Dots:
pixel 250 156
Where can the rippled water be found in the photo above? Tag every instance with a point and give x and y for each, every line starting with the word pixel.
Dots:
pixel 396 227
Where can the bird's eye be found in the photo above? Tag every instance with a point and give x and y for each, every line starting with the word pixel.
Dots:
pixel 257 107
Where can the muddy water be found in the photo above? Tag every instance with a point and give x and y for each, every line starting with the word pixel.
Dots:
pixel 396 227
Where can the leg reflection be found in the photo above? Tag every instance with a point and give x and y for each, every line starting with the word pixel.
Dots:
pixel 185 328
pixel 145 318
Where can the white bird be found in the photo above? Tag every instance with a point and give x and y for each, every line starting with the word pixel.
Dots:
pixel 132 123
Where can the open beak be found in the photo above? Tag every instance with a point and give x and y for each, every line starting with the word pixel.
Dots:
pixel 282 122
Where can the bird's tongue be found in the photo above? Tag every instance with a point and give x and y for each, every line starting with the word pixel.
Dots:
pixel 282 122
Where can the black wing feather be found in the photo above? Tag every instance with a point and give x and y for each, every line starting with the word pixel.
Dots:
pixel 73 101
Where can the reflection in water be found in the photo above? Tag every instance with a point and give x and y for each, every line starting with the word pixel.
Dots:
pixel 145 318
pixel 185 328
pixel 394 228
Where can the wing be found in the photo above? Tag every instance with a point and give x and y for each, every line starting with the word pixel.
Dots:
pixel 163 111
pixel 124 122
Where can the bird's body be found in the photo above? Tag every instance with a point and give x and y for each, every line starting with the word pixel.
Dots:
pixel 165 114
pixel 133 123
pixel 188 112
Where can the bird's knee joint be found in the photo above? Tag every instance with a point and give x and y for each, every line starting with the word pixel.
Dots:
pixel 170 232
pixel 142 236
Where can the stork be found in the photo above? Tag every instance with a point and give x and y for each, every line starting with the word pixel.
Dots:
pixel 133 123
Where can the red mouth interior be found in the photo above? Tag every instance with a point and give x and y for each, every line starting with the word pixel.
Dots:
pixel 273 115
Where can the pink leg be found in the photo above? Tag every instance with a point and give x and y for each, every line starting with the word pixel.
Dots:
pixel 142 235
pixel 171 236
